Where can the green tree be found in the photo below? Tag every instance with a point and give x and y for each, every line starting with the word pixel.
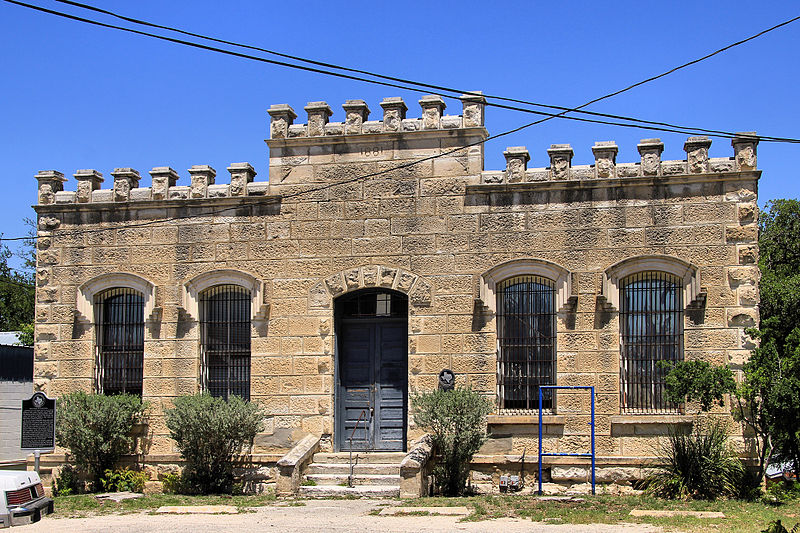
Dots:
pixel 700 381
pixel 16 294
pixel 771 386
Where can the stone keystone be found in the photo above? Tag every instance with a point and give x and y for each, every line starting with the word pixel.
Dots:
pixel 88 180
pixel 473 109
pixel 163 179
pixel 202 177
pixel 560 160
pixel 318 115
pixel 744 150
pixel 356 113
pixel 697 154
pixel 605 158
pixel 394 111
pixel 241 175
pixel 282 116
pixel 50 182
pixel 432 108
pixel 125 179
pixel 650 151
pixel 517 158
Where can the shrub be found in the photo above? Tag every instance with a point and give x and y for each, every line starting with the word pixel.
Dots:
pixel 697 465
pixel 209 433
pixel 67 482
pixel 171 483
pixel 456 421
pixel 123 480
pixel 97 429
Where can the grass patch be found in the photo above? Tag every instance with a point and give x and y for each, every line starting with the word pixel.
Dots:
pixel 740 516
pixel 87 505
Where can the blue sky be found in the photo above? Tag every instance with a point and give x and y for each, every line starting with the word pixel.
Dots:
pixel 76 96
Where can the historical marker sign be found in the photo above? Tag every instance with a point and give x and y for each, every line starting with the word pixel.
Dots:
pixel 39 423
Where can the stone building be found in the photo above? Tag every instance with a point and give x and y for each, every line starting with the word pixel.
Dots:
pixel 380 252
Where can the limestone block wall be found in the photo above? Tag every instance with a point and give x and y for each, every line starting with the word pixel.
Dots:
pixel 406 204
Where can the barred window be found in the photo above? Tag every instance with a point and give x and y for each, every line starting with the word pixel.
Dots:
pixel 120 341
pixel 526 331
pixel 651 327
pixel 225 331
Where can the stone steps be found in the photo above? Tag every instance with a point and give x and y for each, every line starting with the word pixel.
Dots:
pixel 359 469
pixel 375 475
pixel 358 479
pixel 363 457
pixel 358 491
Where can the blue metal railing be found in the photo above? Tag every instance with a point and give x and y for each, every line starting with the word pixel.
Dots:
pixel 591 424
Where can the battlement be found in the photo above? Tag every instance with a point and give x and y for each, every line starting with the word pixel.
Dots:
pixel 605 166
pixel 357 113
pixel 399 151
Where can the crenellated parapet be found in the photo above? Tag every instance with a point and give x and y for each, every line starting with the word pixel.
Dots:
pixel 125 186
pixel 697 162
pixel 314 152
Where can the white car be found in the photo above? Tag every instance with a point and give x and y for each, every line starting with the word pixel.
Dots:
pixel 22 498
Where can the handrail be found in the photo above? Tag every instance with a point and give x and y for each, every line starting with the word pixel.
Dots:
pixel 350 477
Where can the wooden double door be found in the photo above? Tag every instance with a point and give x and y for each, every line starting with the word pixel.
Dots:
pixel 372 375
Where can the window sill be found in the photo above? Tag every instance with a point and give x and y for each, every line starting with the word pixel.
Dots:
pixel 532 419
pixel 652 419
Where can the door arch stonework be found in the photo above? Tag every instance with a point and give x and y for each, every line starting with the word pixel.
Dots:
pixel 418 289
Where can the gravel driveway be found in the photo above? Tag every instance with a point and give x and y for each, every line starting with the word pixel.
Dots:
pixel 315 516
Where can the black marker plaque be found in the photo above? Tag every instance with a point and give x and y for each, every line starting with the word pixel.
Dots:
pixel 38 423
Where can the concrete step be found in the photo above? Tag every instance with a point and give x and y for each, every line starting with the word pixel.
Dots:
pixel 341 479
pixel 359 468
pixel 358 491
pixel 363 457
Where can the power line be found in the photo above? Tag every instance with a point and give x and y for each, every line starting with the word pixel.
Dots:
pixel 452 90
pixel 670 129
pixel 547 116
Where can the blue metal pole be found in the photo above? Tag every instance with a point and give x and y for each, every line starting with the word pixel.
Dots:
pixel 540 440
pixel 593 453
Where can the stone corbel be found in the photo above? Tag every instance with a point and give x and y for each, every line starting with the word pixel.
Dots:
pixel 693 295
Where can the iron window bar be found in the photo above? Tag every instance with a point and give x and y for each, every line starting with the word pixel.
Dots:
pixel 225 341
pixel 651 331
pixel 120 341
pixel 526 337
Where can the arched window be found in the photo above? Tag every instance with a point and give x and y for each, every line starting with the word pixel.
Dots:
pixel 651 327
pixel 120 340
pixel 526 335
pixel 225 338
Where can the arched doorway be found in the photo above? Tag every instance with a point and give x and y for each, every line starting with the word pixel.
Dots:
pixel 371 370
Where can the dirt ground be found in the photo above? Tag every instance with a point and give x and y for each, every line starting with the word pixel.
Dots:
pixel 316 515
